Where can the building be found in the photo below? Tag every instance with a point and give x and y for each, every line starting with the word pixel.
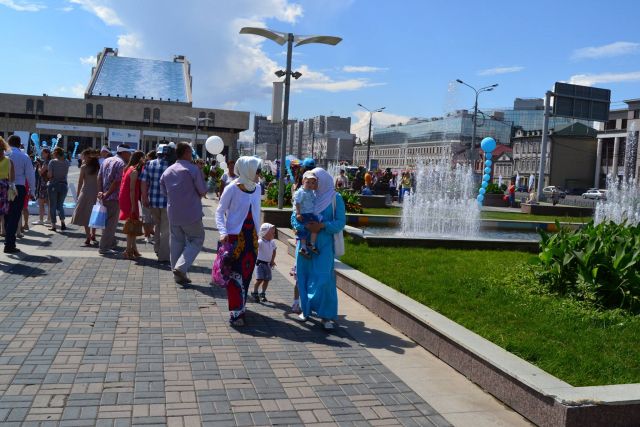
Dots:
pixel 406 156
pixel 570 157
pixel 612 152
pixel 334 147
pixel 138 101
pixel 502 164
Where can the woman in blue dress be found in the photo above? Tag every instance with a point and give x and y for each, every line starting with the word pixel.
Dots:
pixel 316 276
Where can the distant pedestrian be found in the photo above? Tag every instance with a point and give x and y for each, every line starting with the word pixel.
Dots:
pixel 23 175
pixel 512 194
pixel 237 219
pixel 58 187
pixel 184 186
pixel 228 176
pixel 105 153
pixel 109 179
pixel 129 201
pixel 156 201
pixel 341 180
pixel 7 176
pixel 147 218
pixel 42 179
pixel 87 194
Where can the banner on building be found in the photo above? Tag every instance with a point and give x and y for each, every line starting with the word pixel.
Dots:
pixel 124 136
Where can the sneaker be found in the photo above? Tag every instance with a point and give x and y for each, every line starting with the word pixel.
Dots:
pixel 107 252
pixel 301 317
pixel 180 277
pixel 255 296
pixel 38 222
pixel 237 322
pixel 19 235
pixel 328 325
pixel 263 297
pixel 12 251
pixel 295 307
pixel 46 222
pixel 63 226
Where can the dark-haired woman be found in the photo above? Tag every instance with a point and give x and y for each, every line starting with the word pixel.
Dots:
pixel 129 199
pixel 87 194
pixel 57 187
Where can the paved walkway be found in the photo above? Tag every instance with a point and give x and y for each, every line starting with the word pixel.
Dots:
pixel 89 340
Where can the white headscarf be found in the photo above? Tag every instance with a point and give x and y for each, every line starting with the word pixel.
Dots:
pixel 246 168
pixel 326 190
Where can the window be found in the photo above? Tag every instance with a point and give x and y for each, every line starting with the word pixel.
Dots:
pixel 212 118
pixel 99 111
pixel 39 106
pixel 89 110
pixel 156 115
pixel 202 115
pixel 147 114
pixel 29 106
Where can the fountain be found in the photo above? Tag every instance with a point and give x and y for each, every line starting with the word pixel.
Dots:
pixel 444 203
pixel 623 197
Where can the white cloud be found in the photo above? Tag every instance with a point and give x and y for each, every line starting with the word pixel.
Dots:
pixel 99 8
pixel 317 80
pixel 246 136
pixel 89 60
pixel 361 69
pixel 66 9
pixel 23 6
pixel 129 44
pixel 74 91
pixel 500 70
pixel 606 51
pixel 594 79
pixel 382 119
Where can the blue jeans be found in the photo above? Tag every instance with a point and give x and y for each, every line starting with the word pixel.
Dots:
pixel 57 193
pixel 402 192
pixel 306 219
pixel 12 218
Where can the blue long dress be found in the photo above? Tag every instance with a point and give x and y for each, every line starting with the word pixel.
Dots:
pixel 316 276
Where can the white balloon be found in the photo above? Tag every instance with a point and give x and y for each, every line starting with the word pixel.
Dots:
pixel 223 165
pixel 214 145
pixel 59 136
pixel 220 158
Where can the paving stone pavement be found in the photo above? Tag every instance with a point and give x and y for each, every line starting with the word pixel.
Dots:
pixel 88 340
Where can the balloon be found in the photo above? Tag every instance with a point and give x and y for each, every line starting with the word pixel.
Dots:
pixel 480 198
pixel 35 138
pixel 44 143
pixel 487 170
pixel 482 191
pixel 75 148
pixel 488 144
pixel 54 142
pixel 486 177
pixel 488 156
pixel 214 145
pixel 58 136
pixel 219 158
pixel 485 184
pixel 488 163
pixel 223 165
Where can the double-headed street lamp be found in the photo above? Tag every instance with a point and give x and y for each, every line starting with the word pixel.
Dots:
pixel 197 120
pixel 289 38
pixel 369 139
pixel 475 117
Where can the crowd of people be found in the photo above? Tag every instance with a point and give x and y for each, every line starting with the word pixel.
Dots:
pixel 159 195
pixel 378 182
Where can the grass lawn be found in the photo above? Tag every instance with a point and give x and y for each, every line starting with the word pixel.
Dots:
pixel 528 217
pixel 495 294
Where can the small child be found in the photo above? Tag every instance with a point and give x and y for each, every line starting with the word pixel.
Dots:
pixel 265 262
pixel 304 200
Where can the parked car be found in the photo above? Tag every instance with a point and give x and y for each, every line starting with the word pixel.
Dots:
pixel 550 189
pixel 595 194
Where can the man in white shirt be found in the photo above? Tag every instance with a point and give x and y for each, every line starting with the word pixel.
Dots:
pixel 24 174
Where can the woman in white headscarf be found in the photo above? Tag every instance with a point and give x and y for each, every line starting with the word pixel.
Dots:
pixel 237 219
pixel 316 278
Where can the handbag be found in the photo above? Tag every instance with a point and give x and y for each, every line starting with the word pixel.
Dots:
pixel 338 238
pixel 133 227
pixel 12 193
pixel 98 217
pixel 221 269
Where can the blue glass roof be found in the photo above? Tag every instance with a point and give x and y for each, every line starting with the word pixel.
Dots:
pixel 141 77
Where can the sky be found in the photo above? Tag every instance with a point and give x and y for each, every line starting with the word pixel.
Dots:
pixel 404 55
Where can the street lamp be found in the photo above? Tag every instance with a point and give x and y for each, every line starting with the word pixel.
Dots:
pixel 289 38
pixel 197 120
pixel 475 116
pixel 369 139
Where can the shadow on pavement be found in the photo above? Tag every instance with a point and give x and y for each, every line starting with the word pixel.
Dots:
pixel 372 338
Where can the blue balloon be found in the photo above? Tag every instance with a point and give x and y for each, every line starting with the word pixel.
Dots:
pixel 482 191
pixel 44 143
pixel 488 163
pixel 488 156
pixel 35 138
pixel 487 170
pixel 486 177
pixel 54 142
pixel 485 184
pixel 488 144
pixel 480 198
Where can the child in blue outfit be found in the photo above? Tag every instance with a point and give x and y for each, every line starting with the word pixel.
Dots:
pixel 304 200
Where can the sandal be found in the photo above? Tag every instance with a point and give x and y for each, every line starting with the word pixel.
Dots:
pixel 87 242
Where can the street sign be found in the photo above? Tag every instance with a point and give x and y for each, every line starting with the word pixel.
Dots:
pixel 581 102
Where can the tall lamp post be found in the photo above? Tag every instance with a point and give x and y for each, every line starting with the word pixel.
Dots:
pixel 288 38
pixel 197 120
pixel 369 139
pixel 475 117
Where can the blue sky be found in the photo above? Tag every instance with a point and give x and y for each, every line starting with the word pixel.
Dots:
pixel 403 55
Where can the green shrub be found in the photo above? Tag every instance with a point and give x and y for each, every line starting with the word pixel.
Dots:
pixel 272 195
pixel 351 201
pixel 598 263
pixel 494 189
